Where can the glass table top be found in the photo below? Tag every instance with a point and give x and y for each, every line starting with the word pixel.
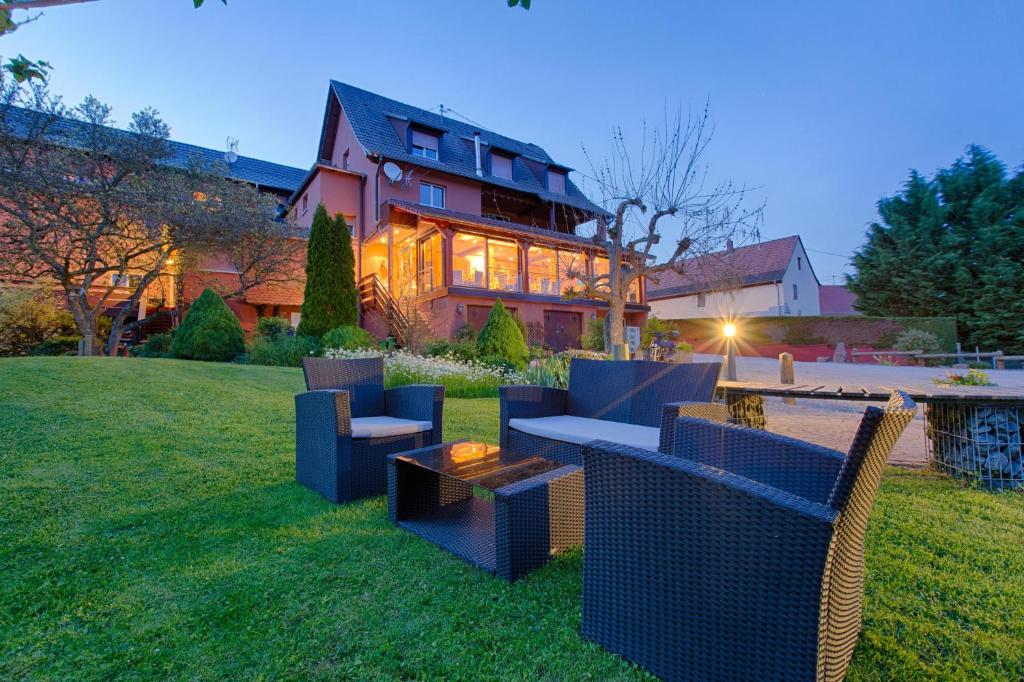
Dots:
pixel 480 464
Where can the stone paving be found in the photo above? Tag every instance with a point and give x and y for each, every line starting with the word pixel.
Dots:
pixel 832 423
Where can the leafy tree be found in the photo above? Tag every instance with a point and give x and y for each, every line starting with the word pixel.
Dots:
pixel 100 211
pixel 210 331
pixel 950 245
pixel 502 336
pixel 330 296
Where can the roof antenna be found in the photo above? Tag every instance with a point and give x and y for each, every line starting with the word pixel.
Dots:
pixel 231 155
pixel 442 112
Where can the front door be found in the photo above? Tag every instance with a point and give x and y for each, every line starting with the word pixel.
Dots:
pixel 562 329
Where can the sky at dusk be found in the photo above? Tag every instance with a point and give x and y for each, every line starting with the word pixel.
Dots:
pixel 823 107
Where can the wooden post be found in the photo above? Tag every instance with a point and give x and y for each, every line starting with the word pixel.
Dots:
pixel 786 375
pixel 997 360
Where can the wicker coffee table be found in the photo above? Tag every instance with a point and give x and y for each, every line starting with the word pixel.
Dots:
pixel 505 512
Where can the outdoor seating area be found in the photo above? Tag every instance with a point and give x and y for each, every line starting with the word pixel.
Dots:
pixel 712 550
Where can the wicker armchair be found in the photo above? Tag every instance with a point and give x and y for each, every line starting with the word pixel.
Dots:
pixel 738 557
pixel 346 425
pixel 626 402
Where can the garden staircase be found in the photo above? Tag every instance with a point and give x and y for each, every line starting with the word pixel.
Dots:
pixel 375 297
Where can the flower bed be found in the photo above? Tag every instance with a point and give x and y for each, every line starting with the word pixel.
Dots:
pixel 460 378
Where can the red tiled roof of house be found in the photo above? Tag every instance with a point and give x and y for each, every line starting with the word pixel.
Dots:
pixel 836 299
pixel 282 293
pixel 745 266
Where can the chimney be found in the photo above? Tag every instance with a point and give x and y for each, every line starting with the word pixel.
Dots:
pixel 728 246
pixel 476 146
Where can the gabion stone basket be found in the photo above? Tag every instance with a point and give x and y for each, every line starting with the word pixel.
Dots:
pixel 978 441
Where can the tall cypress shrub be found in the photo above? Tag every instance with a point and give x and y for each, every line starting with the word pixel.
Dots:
pixel 502 336
pixel 210 331
pixel 329 300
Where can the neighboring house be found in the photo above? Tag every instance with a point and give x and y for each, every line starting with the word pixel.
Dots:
pixel 449 217
pixel 836 299
pixel 772 278
pixel 174 290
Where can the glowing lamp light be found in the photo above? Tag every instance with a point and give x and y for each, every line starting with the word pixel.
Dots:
pixel 729 330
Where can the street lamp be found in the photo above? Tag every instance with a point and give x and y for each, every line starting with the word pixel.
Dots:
pixel 729 332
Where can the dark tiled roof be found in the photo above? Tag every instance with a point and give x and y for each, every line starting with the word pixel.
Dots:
pixel 470 219
pixel 369 115
pixel 746 266
pixel 180 155
pixel 836 299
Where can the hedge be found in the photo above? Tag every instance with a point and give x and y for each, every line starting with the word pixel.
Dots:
pixel 877 332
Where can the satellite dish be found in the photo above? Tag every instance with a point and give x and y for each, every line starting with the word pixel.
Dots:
pixel 231 155
pixel 392 171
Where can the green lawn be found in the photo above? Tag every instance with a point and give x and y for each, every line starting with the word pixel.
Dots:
pixel 150 526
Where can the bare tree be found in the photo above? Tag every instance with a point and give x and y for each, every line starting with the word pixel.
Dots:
pixel 100 211
pixel 656 189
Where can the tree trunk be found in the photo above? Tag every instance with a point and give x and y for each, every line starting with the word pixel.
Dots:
pixel 615 322
pixel 85 320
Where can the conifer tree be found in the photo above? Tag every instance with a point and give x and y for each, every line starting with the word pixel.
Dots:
pixel 329 300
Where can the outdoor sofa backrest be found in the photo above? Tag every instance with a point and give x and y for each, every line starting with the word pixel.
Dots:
pixel 363 378
pixel 634 391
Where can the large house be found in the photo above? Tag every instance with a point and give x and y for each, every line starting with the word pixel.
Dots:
pixel 175 289
pixel 448 217
pixel 771 278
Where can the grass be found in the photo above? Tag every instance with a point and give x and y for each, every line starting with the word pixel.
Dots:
pixel 150 527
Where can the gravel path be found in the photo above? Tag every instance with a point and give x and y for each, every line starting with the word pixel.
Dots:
pixel 832 423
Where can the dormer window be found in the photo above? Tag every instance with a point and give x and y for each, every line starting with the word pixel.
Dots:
pixel 423 144
pixel 501 166
pixel 556 181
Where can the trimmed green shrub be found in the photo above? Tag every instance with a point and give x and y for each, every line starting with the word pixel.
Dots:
pixel 460 350
pixel 917 339
pixel 465 333
pixel 593 337
pixel 57 345
pixel 502 336
pixel 284 351
pixel 273 327
pixel 210 331
pixel 329 300
pixel 156 346
pixel 348 337
pixel 28 317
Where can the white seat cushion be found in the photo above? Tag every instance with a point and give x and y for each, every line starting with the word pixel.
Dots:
pixel 580 430
pixel 381 427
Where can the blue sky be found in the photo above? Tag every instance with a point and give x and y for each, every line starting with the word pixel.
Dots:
pixel 823 106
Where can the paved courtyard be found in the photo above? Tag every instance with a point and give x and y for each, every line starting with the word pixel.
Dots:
pixel 832 423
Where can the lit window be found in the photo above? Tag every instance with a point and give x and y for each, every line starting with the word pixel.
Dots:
pixel 601 268
pixel 431 195
pixel 424 144
pixel 125 281
pixel 543 275
pixel 569 262
pixel 468 260
pixel 501 166
pixel 502 265
pixel 702 300
pixel 796 293
pixel 556 181
pixel 431 263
